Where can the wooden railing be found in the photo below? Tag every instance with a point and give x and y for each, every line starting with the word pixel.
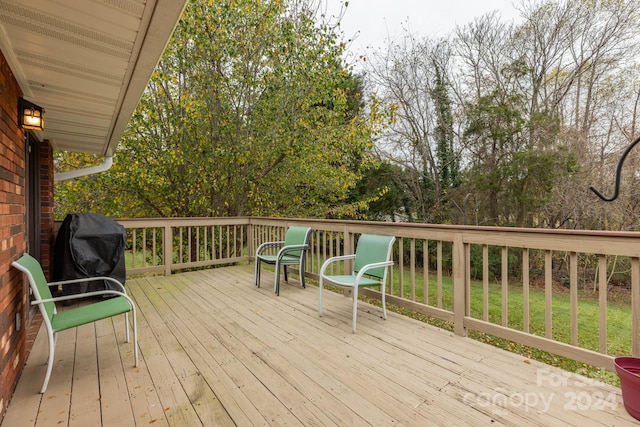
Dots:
pixel 504 282
pixel 170 245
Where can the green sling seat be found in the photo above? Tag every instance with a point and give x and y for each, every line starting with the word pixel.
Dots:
pixel 120 303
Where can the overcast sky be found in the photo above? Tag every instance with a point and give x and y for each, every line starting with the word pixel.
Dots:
pixel 375 20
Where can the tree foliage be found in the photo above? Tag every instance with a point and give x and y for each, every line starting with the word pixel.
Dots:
pixel 251 111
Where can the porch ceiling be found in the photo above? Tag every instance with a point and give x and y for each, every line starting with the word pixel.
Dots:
pixel 85 62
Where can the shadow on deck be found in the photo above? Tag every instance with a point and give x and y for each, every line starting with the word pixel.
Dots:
pixel 216 350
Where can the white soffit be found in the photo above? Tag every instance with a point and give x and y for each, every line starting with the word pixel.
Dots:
pixel 86 62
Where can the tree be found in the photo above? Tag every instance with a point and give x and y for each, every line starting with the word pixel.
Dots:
pixel 448 161
pixel 494 136
pixel 411 79
pixel 383 189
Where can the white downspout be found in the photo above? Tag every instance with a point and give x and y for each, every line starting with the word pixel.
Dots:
pixel 63 176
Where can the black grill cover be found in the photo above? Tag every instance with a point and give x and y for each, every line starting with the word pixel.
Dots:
pixel 89 245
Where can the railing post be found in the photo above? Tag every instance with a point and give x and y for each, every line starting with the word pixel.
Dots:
pixel 459 286
pixel 168 249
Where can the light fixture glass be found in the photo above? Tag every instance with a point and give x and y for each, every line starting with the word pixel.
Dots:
pixel 30 115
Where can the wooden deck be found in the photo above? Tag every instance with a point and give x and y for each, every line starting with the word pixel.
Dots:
pixel 216 350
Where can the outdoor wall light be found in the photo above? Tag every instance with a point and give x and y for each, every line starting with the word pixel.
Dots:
pixel 30 115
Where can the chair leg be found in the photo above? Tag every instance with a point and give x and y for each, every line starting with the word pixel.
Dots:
pixel 135 336
pixel 384 305
pixel 355 307
pixel 320 304
pixel 52 347
pixel 126 326
pixel 286 277
pixel 301 273
pixel 276 286
pixel 257 275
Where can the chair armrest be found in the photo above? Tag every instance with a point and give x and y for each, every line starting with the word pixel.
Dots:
pixel 89 279
pixel 334 259
pixel 364 269
pixel 268 245
pixel 291 248
pixel 84 295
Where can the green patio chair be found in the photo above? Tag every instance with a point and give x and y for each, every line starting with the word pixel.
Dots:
pixel 373 256
pixel 55 322
pixel 291 251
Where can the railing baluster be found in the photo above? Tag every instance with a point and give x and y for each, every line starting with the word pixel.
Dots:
pixel 167 238
pixel 485 283
pixel 401 267
pixel 505 286
pixel 548 295
pixel 573 296
pixel 199 256
pixel 602 303
pixel 180 259
pixel 205 244
pixel 134 251
pixel 144 246
pixel 525 290
pixel 412 268
pixel 220 243
pixel 425 270
pixel 189 245
pixel 439 263
pixel 154 248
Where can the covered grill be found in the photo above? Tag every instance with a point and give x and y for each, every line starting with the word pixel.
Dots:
pixel 89 245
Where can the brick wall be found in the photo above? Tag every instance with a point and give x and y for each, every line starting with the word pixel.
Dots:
pixel 46 207
pixel 12 237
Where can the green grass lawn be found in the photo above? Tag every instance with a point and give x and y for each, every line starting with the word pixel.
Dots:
pixel 140 261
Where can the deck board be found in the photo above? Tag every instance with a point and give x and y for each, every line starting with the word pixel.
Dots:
pixel 216 350
pixel 85 399
pixel 116 403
